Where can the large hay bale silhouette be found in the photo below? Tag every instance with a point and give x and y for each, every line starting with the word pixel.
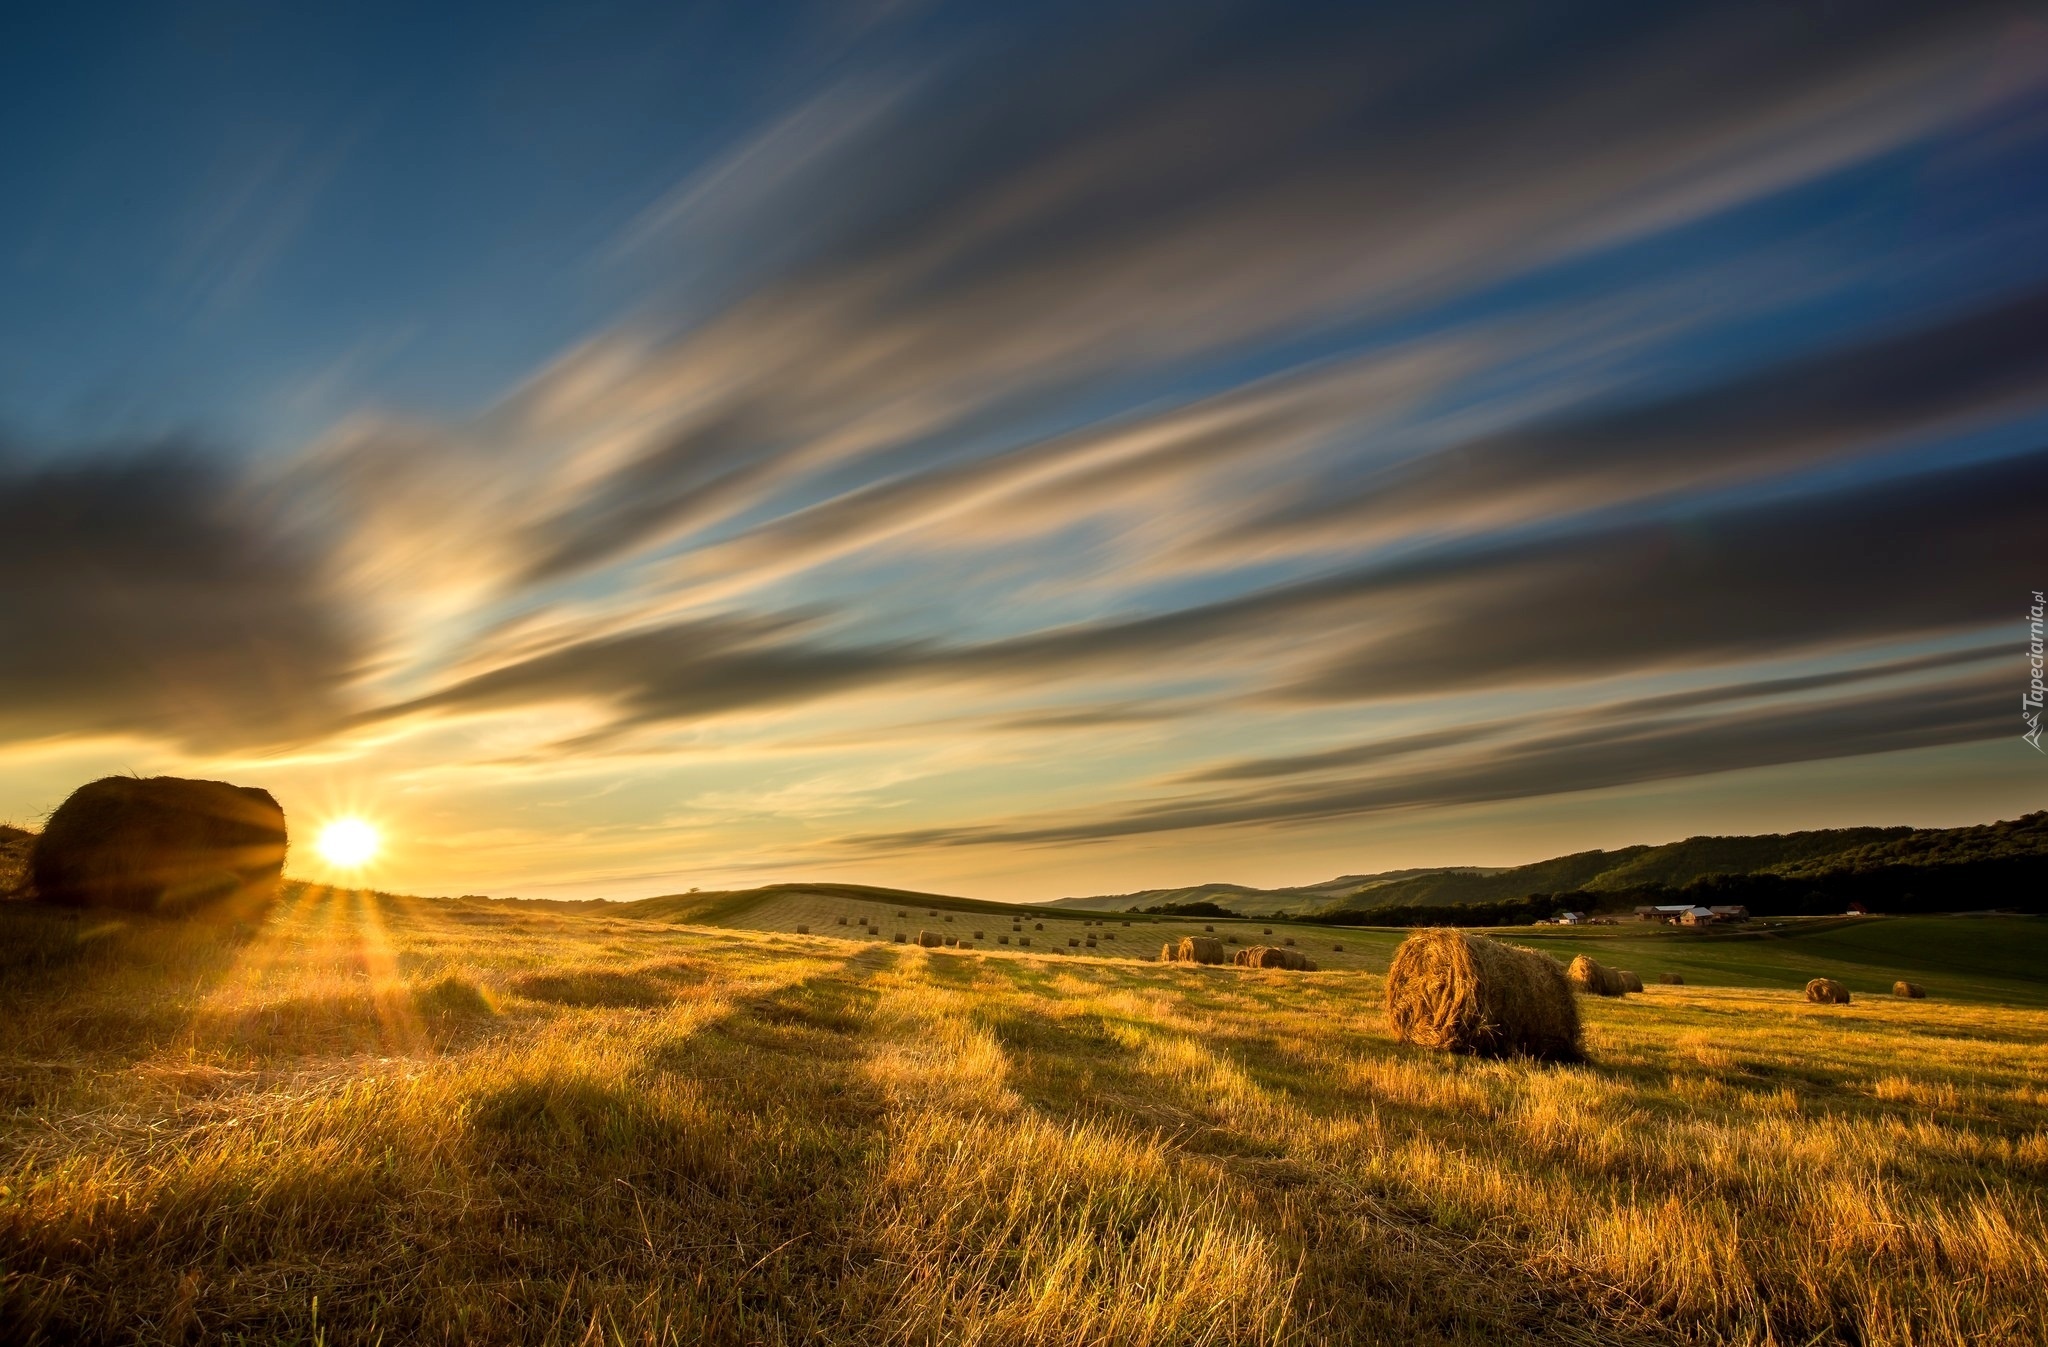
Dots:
pixel 1671 979
pixel 1828 992
pixel 1912 990
pixel 1467 993
pixel 162 844
pixel 1594 978
pixel 1629 981
pixel 929 939
pixel 1200 949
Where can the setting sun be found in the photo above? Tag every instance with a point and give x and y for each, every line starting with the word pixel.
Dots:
pixel 348 843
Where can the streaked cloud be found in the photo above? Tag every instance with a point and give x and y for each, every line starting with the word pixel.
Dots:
pixel 1067 427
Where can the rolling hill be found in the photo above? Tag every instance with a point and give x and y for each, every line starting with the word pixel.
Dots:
pixel 1243 898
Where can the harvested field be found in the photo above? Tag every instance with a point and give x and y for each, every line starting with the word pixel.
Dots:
pixel 651 1133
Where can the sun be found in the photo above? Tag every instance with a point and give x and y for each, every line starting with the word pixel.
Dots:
pixel 348 843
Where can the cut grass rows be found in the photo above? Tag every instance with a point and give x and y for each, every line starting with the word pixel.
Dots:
pixel 491 1124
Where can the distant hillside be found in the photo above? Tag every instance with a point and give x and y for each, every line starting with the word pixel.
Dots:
pixel 2023 836
pixel 1772 864
pixel 718 906
pixel 1243 898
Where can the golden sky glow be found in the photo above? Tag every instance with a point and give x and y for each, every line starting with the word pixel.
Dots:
pixel 1338 451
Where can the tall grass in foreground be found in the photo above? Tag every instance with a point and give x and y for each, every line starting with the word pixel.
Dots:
pixel 388 1121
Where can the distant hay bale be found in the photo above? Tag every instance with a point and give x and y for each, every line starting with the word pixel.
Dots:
pixel 1265 930
pixel 1231 938
pixel 901 913
pixel 978 935
pixel 1671 979
pixel 1023 939
pixel 1827 992
pixel 162 844
pixel 1074 941
pixel 1039 926
pixel 842 921
pixel 1269 956
pixel 1594 978
pixel 900 939
pixel 1468 993
pixel 1208 928
pixel 1288 941
pixel 1629 981
pixel 1126 923
pixel 1911 990
pixel 930 939
pixel 802 929
pixel 952 940
pixel 1169 952
pixel 949 916
pixel 1002 940
pixel 1336 949
pixel 1200 949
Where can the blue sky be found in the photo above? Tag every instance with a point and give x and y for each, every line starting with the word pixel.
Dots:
pixel 1025 452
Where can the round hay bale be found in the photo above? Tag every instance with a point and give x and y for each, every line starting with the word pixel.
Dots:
pixel 1336 949
pixel 1590 976
pixel 900 939
pixel 1467 993
pixel 1231 939
pixel 842 921
pixel 1827 992
pixel 930 939
pixel 901 913
pixel 1671 979
pixel 1073 942
pixel 1201 949
pixel 1038 926
pixel 1308 965
pixel 1629 981
pixel 1023 939
pixel 978 935
pixel 1002 940
pixel 1168 953
pixel 802 929
pixel 162 844
pixel 1208 928
pixel 949 916
pixel 1912 990
pixel 1265 930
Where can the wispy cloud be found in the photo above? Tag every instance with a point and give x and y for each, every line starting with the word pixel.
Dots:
pixel 1067 379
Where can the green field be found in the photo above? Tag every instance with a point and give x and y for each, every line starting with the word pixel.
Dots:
pixel 1973 959
pixel 385 1120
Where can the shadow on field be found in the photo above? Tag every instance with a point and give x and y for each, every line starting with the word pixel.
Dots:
pixel 725 1171
pixel 76 982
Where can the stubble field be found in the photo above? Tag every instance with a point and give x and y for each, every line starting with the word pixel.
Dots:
pixel 387 1120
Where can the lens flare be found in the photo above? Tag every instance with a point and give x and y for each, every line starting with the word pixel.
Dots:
pixel 348 843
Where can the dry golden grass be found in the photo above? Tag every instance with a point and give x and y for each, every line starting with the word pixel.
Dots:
pixel 411 1121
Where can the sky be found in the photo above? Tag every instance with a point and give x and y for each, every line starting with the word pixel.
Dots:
pixel 1024 450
